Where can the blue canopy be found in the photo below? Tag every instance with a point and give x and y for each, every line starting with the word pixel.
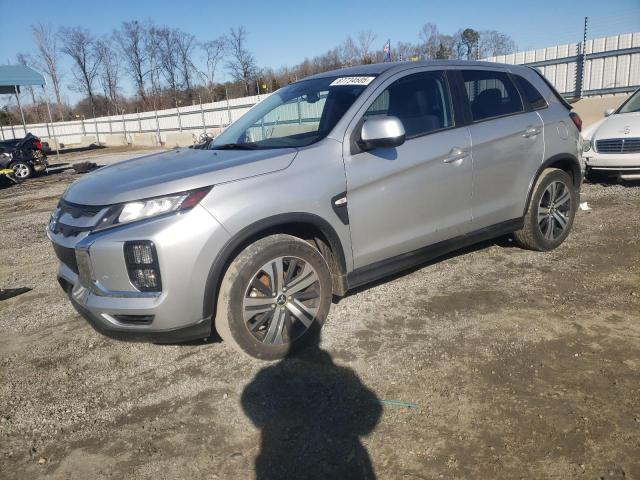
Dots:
pixel 16 75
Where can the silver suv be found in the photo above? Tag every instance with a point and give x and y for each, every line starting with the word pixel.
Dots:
pixel 328 184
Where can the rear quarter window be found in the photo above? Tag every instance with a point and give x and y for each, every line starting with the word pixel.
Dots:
pixel 530 93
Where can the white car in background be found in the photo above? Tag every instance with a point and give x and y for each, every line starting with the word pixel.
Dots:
pixel 612 145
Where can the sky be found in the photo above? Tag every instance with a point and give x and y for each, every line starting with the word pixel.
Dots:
pixel 285 32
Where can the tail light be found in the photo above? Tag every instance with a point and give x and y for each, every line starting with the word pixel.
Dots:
pixel 37 144
pixel 142 265
pixel 576 120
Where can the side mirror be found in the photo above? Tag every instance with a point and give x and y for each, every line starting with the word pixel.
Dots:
pixel 609 111
pixel 381 132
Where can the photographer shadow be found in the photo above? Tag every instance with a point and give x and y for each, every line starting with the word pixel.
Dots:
pixel 311 413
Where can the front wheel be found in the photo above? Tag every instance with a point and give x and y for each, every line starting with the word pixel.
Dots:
pixel 551 211
pixel 21 170
pixel 275 296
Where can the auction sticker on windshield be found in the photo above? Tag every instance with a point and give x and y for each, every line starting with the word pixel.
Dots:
pixel 351 81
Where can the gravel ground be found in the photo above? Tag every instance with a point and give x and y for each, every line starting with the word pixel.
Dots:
pixel 510 364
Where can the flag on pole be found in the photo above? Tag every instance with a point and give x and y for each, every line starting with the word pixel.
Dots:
pixel 387 51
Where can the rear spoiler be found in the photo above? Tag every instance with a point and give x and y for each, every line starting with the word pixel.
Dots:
pixel 560 98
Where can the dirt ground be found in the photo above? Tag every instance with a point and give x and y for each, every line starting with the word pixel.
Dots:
pixel 494 363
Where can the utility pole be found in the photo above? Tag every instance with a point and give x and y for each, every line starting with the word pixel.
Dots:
pixel 204 123
pixel 124 128
pixel 226 94
pixel 139 121
pixel 582 58
pixel 178 110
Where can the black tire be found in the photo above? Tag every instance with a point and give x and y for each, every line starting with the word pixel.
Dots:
pixel 535 235
pixel 20 166
pixel 236 289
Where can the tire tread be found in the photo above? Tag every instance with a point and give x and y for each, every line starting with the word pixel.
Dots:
pixel 527 236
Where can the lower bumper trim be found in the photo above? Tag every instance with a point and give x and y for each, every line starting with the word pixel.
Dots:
pixel 196 331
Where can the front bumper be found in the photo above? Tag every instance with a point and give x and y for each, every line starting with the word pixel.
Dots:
pixel 98 284
pixel 615 162
pixel 199 330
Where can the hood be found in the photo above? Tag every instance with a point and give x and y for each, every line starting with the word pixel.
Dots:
pixel 623 125
pixel 173 171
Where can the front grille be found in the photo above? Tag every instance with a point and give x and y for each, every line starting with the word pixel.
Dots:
pixel 74 219
pixel 77 211
pixel 67 256
pixel 618 145
pixel 70 230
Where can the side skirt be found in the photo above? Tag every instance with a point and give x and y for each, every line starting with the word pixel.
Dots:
pixel 383 268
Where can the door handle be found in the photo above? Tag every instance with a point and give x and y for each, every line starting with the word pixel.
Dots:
pixel 531 131
pixel 455 154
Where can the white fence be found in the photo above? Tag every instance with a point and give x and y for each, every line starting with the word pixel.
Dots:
pixel 195 119
pixel 609 65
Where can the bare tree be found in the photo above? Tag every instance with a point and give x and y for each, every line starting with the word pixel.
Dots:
pixel 214 52
pixel 80 45
pixel 349 51
pixel 26 60
pixel 328 61
pixel 365 40
pixel 131 39
pixel 458 47
pixel 153 53
pixel 405 51
pixel 430 38
pixel 186 44
pixel 48 58
pixel 109 74
pixel 493 43
pixel 169 58
pixel 242 64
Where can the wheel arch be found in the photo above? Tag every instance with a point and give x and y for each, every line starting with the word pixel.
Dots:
pixel 307 226
pixel 565 162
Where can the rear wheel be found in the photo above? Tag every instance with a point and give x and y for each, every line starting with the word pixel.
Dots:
pixel 21 170
pixel 274 297
pixel 551 212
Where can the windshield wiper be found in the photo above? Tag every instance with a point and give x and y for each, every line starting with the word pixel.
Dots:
pixel 236 146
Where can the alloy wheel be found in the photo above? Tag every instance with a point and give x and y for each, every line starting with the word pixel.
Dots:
pixel 282 300
pixel 21 170
pixel 554 210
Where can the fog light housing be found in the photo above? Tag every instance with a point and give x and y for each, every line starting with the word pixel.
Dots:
pixel 142 265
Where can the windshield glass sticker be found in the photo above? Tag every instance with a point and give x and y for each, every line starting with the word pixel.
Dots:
pixel 351 81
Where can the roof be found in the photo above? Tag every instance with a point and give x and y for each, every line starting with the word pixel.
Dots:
pixel 17 75
pixel 379 68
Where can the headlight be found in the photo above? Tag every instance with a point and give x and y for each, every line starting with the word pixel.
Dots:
pixel 586 145
pixel 151 207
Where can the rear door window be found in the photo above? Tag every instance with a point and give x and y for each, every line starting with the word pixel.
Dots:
pixel 530 93
pixel 421 101
pixel 491 94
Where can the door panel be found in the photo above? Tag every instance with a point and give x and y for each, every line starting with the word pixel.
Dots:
pixel 507 145
pixel 506 153
pixel 404 198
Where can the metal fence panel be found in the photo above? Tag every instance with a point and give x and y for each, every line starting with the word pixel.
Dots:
pixel 610 65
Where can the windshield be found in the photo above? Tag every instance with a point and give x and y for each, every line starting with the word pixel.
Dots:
pixel 295 116
pixel 632 104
